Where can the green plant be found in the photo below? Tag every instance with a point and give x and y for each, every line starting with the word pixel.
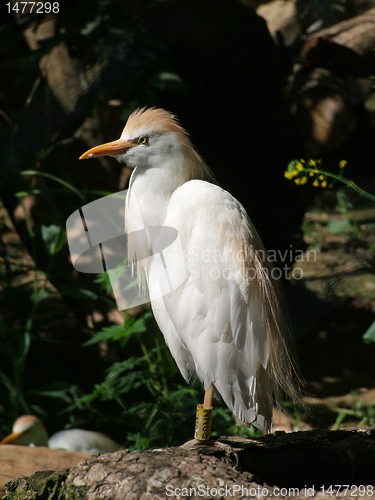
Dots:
pixel 343 202
pixel 23 289
pixel 301 170
pixel 369 335
pixel 363 414
pixel 156 407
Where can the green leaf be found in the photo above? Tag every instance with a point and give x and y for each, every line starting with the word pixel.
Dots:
pixel 54 237
pixel 77 293
pixel 122 333
pixel 110 333
pixel 57 179
pixel 38 296
pixel 103 280
pixel 343 202
pixel 58 390
pixel 369 336
pixel 25 341
pixel 91 26
pixel 339 226
pixel 168 81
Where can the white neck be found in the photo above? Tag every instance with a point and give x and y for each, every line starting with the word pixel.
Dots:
pixel 149 193
pixel 154 181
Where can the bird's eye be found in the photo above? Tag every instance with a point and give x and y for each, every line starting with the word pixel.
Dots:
pixel 142 140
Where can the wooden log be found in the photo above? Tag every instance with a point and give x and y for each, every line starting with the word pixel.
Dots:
pixel 357 33
pixel 300 463
pixel 17 461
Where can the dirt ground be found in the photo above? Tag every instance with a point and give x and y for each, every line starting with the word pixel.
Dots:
pixel 333 305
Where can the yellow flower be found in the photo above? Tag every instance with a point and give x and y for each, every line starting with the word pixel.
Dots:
pixel 311 174
pixel 350 184
pixel 316 183
pixel 312 162
pixel 324 184
pixel 290 174
pixel 321 177
pixel 342 163
pixel 299 166
pixel 303 180
pixel 297 181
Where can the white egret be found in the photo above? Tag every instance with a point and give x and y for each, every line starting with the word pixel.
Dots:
pixel 29 430
pixel 225 322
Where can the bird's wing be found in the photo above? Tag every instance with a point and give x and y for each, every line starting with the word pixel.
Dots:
pixel 220 322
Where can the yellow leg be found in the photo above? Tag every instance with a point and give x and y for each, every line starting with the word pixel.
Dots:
pixel 204 416
pixel 208 397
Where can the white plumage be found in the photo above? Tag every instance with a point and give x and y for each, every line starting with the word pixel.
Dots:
pixel 29 430
pixel 225 322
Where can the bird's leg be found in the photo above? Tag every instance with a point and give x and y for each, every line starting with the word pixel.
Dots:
pixel 208 397
pixel 204 416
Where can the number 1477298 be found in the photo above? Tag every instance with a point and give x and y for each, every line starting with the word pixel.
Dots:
pixel 34 7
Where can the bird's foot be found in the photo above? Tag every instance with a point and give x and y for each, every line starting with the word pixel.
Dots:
pixel 230 452
pixel 194 443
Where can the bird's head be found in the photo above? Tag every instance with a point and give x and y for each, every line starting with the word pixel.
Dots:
pixel 27 430
pixel 149 135
pixel 153 138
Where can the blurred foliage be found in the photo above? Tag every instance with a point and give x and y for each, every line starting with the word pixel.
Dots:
pixel 362 414
pixel 22 290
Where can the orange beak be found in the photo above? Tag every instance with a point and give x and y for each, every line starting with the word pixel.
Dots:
pixel 10 438
pixel 108 149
